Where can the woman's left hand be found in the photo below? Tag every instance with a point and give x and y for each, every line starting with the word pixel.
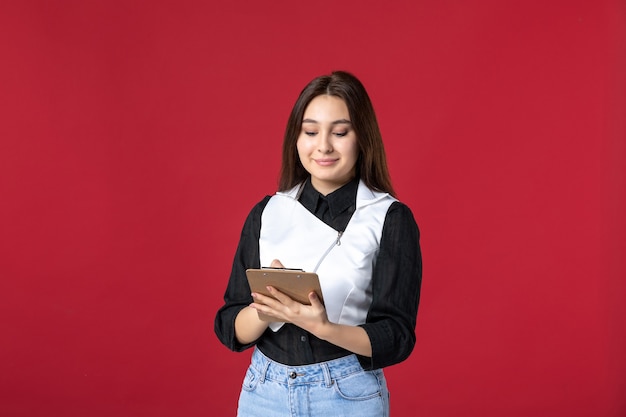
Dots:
pixel 283 308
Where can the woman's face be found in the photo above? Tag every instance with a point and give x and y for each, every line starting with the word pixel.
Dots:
pixel 327 145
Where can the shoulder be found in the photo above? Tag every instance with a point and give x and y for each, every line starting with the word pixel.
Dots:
pixel 260 206
pixel 398 208
pixel 400 216
pixel 254 217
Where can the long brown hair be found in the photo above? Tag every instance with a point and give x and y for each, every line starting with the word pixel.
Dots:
pixel 372 162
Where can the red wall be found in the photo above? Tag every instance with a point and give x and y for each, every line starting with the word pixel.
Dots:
pixel 125 126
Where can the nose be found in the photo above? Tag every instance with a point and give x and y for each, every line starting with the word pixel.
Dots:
pixel 324 145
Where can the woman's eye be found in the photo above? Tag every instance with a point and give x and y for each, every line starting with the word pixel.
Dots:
pixel 340 134
pixel 309 133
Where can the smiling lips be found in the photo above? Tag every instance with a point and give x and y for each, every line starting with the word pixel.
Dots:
pixel 326 161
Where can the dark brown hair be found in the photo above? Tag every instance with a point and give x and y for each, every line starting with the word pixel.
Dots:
pixel 371 164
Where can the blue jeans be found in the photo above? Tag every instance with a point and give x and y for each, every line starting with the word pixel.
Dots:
pixel 335 388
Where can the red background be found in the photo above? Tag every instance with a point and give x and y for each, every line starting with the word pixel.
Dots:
pixel 136 136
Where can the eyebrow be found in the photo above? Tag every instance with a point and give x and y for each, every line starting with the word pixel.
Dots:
pixel 336 122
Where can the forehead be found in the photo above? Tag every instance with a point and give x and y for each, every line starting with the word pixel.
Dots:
pixel 326 107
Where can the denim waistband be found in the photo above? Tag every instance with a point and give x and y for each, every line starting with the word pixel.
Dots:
pixel 325 372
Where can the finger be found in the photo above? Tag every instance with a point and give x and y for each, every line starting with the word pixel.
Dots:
pixel 281 297
pixel 315 300
pixel 269 306
pixel 276 264
pixel 263 299
pixel 264 312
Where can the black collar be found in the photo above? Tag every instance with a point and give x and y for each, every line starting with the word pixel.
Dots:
pixel 339 200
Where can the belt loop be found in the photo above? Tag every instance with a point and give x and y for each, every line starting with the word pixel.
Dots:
pixel 326 371
pixel 265 364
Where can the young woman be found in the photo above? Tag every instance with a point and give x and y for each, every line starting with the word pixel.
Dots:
pixel 334 214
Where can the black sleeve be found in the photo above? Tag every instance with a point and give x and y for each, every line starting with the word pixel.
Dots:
pixel 237 295
pixel 396 283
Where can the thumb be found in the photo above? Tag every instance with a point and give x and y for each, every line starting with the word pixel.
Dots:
pixel 315 300
pixel 276 264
